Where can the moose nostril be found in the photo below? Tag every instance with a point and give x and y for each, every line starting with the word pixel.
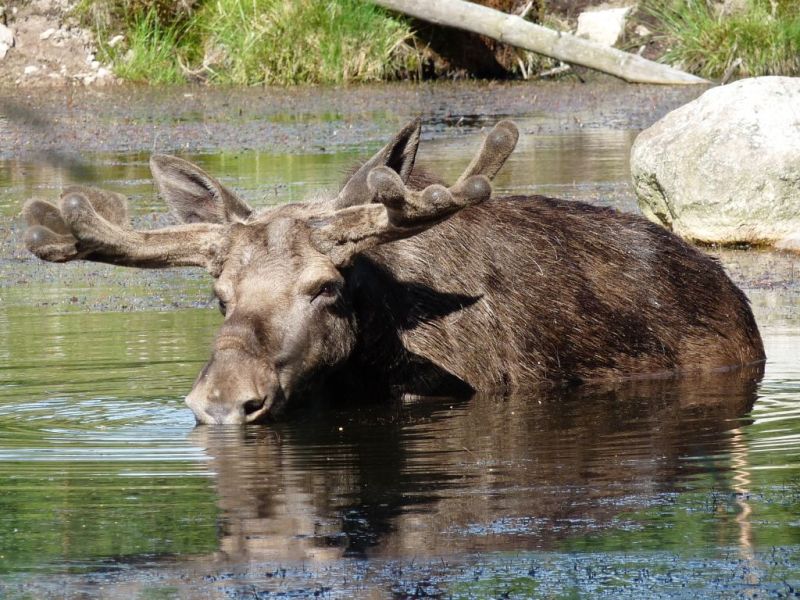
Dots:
pixel 253 405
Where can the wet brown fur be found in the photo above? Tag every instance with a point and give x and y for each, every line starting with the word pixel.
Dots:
pixel 553 290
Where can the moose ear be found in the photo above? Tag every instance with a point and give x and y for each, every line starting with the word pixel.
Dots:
pixel 399 155
pixel 194 195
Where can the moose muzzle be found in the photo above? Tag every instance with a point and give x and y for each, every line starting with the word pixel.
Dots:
pixel 233 388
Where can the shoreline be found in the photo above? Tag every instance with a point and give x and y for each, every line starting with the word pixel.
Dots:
pixel 59 123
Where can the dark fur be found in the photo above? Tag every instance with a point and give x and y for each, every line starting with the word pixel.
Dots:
pixel 521 290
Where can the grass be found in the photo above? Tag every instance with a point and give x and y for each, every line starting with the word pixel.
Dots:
pixel 150 54
pixel 250 42
pixel 277 42
pixel 304 41
pixel 761 39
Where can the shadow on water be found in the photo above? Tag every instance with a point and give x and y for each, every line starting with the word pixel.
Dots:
pixel 473 492
pixel 489 474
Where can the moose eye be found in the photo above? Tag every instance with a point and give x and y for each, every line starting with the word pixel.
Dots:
pixel 327 291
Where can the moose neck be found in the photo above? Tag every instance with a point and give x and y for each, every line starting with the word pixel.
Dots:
pixel 388 304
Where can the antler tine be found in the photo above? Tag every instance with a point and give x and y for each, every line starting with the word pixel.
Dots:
pixel 494 152
pixel 112 206
pixel 92 224
pixel 398 212
pixel 410 208
pixel 49 245
pixel 407 207
pixel 40 212
pixel 50 238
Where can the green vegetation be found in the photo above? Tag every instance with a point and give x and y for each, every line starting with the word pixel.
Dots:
pixel 511 585
pixel 274 42
pixel 253 42
pixel 761 38
pixel 269 41
pixel 150 55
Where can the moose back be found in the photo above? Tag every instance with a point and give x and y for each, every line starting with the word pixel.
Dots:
pixel 398 283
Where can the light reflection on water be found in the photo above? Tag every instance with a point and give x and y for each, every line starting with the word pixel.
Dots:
pixel 546 164
pixel 100 466
pixel 262 178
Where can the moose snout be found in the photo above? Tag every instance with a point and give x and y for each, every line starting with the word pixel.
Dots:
pixel 231 390
pixel 215 409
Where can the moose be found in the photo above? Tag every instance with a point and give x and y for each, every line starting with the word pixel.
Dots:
pixel 398 284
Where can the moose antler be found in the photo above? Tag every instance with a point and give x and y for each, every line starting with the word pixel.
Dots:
pixel 399 212
pixel 399 154
pixel 494 152
pixel 92 224
pixel 401 151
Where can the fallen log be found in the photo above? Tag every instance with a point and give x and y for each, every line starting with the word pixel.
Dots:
pixel 513 30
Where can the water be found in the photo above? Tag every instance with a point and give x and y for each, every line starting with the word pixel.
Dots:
pixel 546 163
pixel 676 487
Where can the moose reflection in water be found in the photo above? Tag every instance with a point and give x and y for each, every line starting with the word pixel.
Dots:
pixel 400 283
pixel 487 474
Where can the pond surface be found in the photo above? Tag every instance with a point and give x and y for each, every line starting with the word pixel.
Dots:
pixel 675 487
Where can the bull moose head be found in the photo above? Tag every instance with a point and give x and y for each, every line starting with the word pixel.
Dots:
pixel 280 274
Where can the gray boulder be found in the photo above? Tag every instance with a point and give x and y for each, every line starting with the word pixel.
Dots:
pixel 6 40
pixel 725 168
